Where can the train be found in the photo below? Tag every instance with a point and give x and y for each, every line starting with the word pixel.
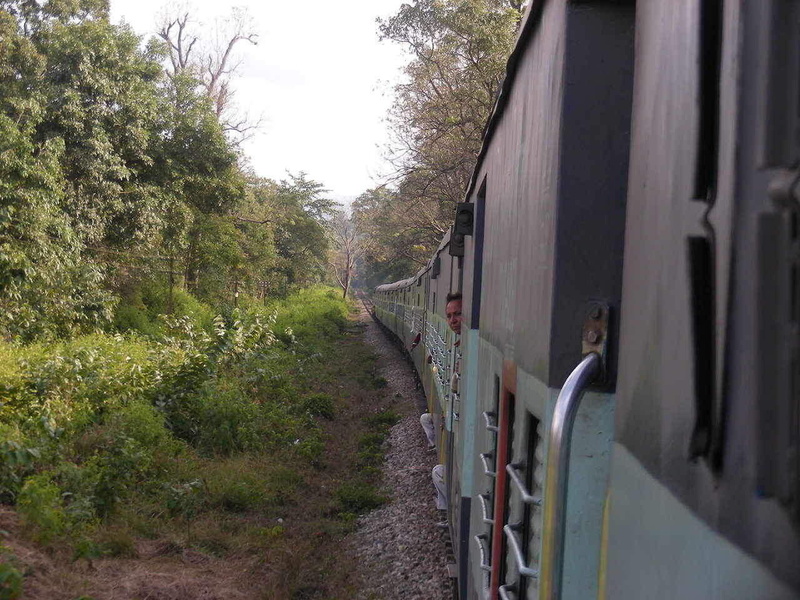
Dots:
pixel 626 423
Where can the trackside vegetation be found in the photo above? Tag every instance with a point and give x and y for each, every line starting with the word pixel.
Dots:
pixel 168 431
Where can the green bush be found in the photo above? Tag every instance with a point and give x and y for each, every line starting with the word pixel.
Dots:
pixel 227 420
pixel 236 490
pixel 383 420
pixel 101 417
pixel 319 405
pixel 39 503
pixel 10 582
pixel 359 498
pixel 16 462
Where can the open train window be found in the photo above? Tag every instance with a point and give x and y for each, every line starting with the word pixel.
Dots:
pixel 503 460
pixel 487 498
pixel 532 513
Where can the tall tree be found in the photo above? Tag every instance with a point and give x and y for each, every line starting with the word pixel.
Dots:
pixel 459 49
pixel 47 289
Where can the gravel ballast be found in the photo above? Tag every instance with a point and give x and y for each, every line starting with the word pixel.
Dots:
pixel 401 552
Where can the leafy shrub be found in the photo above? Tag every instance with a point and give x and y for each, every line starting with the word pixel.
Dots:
pixel 100 417
pixel 239 495
pixel 132 318
pixel 383 420
pixel 39 503
pixel 359 498
pixel 10 582
pixel 311 446
pixel 319 405
pixel 313 315
pixel 16 462
pixel 370 449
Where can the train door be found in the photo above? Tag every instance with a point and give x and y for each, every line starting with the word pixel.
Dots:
pixel 705 476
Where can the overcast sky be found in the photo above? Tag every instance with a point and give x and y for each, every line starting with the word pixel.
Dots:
pixel 319 77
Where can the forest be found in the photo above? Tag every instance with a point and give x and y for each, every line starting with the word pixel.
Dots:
pixel 168 317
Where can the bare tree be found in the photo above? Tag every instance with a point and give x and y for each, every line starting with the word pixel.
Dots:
pixel 175 31
pixel 347 248
pixel 213 63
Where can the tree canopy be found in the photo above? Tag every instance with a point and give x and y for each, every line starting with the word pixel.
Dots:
pixel 458 50
pixel 116 172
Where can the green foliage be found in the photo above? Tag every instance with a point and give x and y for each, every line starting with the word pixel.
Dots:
pixel 112 174
pixel 102 417
pixel 235 486
pixel 370 449
pixel 359 497
pixel 16 462
pixel 147 306
pixel 10 582
pixel 383 420
pixel 371 446
pixel 39 503
pixel 184 499
pixel 311 314
pixel 319 405
pixel 458 51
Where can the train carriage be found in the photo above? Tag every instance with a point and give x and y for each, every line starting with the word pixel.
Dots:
pixel 627 418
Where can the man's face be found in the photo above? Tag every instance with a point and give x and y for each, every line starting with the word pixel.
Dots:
pixel 453 313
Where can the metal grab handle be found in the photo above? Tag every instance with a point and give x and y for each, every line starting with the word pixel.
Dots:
pixel 513 470
pixel 480 539
pixel 489 418
pixel 487 470
pixel 484 498
pixel 507 592
pixel 558 449
pixel 516 548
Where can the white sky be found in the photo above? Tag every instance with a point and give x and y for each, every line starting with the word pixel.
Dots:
pixel 319 77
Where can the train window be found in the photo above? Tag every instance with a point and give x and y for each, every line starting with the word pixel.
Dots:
pixel 477 269
pixel 509 443
pixel 532 513
pixel 486 499
pixel 505 437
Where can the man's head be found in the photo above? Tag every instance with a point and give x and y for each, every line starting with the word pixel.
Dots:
pixel 453 312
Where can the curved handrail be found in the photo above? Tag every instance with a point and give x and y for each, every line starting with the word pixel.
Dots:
pixel 487 470
pixel 513 470
pixel 507 592
pixel 488 417
pixel 484 499
pixel 481 541
pixel 558 450
pixel 516 549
